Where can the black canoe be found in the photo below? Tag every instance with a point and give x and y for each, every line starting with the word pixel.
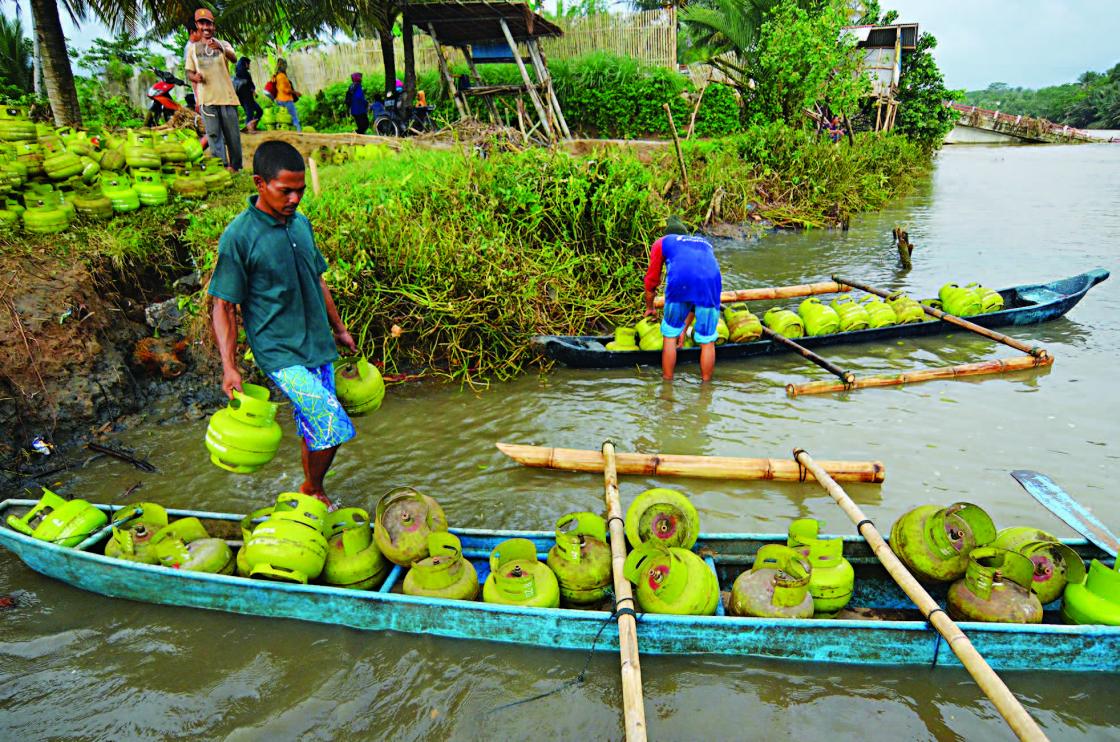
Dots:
pixel 1023 305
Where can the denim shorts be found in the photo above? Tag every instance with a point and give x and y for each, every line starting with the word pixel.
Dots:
pixel 703 324
pixel 319 416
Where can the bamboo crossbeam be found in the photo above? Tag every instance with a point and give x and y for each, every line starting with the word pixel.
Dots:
pixel 990 683
pixel 845 376
pixel 701 467
pixel 982 368
pixel 771 293
pixel 954 320
pixel 529 87
pixel 633 706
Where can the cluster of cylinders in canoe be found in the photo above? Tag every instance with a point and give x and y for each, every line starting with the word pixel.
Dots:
pixel 1005 576
pixel 813 317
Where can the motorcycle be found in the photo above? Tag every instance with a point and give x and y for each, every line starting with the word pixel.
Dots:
pixel 163 106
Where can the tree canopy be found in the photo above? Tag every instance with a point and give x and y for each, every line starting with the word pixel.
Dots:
pixel 1093 102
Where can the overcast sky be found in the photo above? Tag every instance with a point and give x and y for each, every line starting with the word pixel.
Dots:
pixel 1029 43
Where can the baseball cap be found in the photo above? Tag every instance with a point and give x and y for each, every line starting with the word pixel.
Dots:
pixel 203 14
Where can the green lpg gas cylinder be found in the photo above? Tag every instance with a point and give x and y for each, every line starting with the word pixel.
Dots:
pixel 784 322
pixel 832 579
pixel 139 151
pixel 777 586
pixel 935 542
pixel 649 334
pixel 444 573
pixel 517 578
pixel 251 406
pixel 289 546
pixel 112 160
pixel 963 301
pixel 215 175
pixel 990 299
pixel 662 515
pixel 742 326
pixel 402 521
pixel 189 184
pixel 853 315
pixel 581 558
pixel 353 560
pixel 723 332
pixel 133 530
pixel 671 580
pixel 185 544
pixel 118 189
pixel 359 385
pixel 191 144
pixel 906 309
pixel 996 587
pixel 879 313
pixel 149 186
pixel 15 125
pixel 42 217
pixel 170 147
pixel 62 522
pixel 93 204
pixel 61 164
pixel 1055 564
pixel 1094 601
pixel 625 339
pixel 819 319
pixel 239 447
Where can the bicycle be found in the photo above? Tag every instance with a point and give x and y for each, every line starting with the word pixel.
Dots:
pixel 395 122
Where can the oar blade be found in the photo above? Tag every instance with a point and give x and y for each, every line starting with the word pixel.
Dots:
pixel 1073 513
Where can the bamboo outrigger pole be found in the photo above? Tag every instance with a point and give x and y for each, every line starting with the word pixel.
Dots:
pixel 847 377
pixel 633 705
pixel 954 320
pixel 927 374
pixel 701 467
pixel 770 293
pixel 1021 723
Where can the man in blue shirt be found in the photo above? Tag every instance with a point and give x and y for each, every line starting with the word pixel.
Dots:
pixel 268 265
pixel 356 99
pixel 692 288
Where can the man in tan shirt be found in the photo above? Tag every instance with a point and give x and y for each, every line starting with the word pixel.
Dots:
pixel 208 67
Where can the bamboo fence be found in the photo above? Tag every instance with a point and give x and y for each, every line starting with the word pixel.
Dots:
pixel 649 36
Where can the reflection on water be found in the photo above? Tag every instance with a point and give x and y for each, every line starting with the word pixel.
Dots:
pixel 83 666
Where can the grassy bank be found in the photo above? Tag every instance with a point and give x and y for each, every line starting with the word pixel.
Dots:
pixel 469 256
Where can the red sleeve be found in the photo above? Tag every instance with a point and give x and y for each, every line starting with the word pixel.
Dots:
pixel 653 273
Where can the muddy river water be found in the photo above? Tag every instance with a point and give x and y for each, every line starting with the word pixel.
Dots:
pixel 75 665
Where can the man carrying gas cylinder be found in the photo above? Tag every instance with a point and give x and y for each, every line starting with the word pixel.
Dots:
pixel 692 288
pixel 268 265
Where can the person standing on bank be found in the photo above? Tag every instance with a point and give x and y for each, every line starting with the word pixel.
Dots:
pixel 356 100
pixel 286 95
pixel 692 288
pixel 208 67
pixel 268 265
pixel 246 93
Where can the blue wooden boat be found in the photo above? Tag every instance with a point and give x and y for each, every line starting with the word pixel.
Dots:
pixel 884 628
pixel 1028 304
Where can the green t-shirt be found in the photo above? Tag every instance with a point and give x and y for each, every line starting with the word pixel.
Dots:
pixel 272 269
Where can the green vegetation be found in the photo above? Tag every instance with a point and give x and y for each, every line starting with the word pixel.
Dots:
pixel 471 256
pixel 1093 102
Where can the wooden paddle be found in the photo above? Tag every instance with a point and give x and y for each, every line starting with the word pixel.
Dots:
pixel 633 705
pixel 1062 504
pixel 1021 723
pixel 845 376
pixel 774 292
pixel 702 467
pixel 954 320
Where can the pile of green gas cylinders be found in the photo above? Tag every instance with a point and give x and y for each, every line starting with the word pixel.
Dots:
pixel 344 153
pixel 49 176
pixel 1006 575
pixel 813 317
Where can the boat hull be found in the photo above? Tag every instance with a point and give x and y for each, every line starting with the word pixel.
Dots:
pixel 1024 305
pixel 851 641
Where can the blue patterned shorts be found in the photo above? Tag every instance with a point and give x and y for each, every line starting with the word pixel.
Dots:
pixel 319 417
pixel 703 324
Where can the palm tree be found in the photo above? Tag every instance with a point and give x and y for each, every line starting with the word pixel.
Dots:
pixel 16 53
pixel 727 31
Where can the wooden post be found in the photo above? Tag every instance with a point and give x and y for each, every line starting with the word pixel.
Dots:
pixel 478 79
pixel 696 110
pixel 409 43
pixel 845 376
pixel 529 86
pixel 445 72
pixel 701 467
pixel 539 64
pixel 633 706
pixel 954 320
pixel 774 292
pixel 982 368
pixel 676 144
pixel 314 168
pixel 990 683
